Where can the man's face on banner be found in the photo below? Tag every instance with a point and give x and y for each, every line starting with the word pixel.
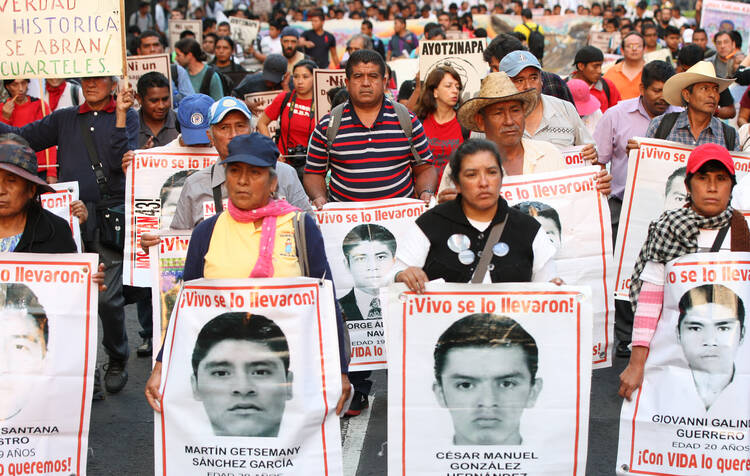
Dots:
pixel 243 387
pixel 486 389
pixel 710 335
pixel 370 262
pixel 675 194
pixel 550 227
pixel 23 348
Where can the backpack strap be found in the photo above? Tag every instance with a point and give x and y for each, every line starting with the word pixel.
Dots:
pixel 730 135
pixel 334 122
pixel 300 241
pixel 607 91
pixel 75 90
pixel 404 119
pixel 666 125
pixel 284 102
pixel 216 191
pixel 206 83
pixel 173 70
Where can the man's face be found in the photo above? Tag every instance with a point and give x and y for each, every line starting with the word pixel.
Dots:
pixel 724 45
pixel 209 44
pixel 366 30
pixel 700 39
pixel 550 228
pixel 676 194
pixel 366 85
pixel 19 87
pixel 150 45
pixel 503 122
pixel 316 23
pixel 651 37
pixel 156 104
pixel 289 45
pixel 222 30
pixel 633 48
pixel 596 10
pixel 529 78
pixel 243 387
pixel 234 124
pixel 369 263
pixel 169 207
pixel 710 335
pixel 445 21
pixel 673 42
pixel 591 72
pixel 653 99
pixel 666 15
pixel 703 98
pixel 181 58
pixel 97 89
pixel 486 389
pixel 398 26
pixel 355 45
pixel 23 349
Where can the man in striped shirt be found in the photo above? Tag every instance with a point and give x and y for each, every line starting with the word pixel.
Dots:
pixel 370 157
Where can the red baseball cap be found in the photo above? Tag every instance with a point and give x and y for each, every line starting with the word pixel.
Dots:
pixel 707 152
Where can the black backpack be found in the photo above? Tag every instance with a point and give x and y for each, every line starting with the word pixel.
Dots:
pixel 667 123
pixel 536 41
pixel 226 83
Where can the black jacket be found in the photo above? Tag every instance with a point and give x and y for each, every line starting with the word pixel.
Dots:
pixel 45 232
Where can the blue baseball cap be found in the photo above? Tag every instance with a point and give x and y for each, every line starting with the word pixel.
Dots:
pixel 193 118
pixel 253 149
pixel 224 106
pixel 516 61
pixel 289 31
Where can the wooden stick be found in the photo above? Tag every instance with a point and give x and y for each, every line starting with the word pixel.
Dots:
pixel 123 27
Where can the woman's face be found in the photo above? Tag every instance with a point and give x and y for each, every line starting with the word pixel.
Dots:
pixel 249 187
pixel 479 180
pixel 15 192
pixel 18 88
pixel 447 90
pixel 223 51
pixel 710 192
pixel 303 80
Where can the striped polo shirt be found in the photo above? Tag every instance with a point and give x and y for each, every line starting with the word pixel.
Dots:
pixel 368 163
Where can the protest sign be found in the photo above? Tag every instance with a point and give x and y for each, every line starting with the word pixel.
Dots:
pixel 361 241
pixel 167 263
pixel 140 65
pixel 488 379
pixel 576 218
pixel 48 334
pixel 176 27
pixel 404 69
pixel 605 41
pixel 655 183
pixel 265 422
pixel 152 187
pixel 265 99
pixel 662 54
pixel 323 81
pixel 243 31
pixel 56 39
pixel 691 415
pixel 573 157
pixel 58 202
pixel 723 15
pixel 464 56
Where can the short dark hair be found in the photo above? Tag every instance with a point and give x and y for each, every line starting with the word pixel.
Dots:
pixel 737 37
pixel 700 30
pixel 471 147
pixel 211 35
pixel 656 71
pixel 526 13
pixel 208 22
pixel 671 30
pixel 240 326
pixel 186 34
pixel 690 55
pixel 711 294
pixel 399 18
pixel 149 34
pixel 316 13
pixel 647 26
pixel 534 209
pixel 485 330
pixel 721 32
pixel 20 296
pixel 364 56
pixel 500 46
pixel 678 173
pixel 368 232
pixel 480 33
pixel 153 79
pixel 367 23
pixel 642 5
pixel 189 45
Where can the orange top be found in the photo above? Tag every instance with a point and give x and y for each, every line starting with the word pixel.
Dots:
pixel 628 88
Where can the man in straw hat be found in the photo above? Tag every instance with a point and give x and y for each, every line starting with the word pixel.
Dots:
pixel 697 90
pixel 500 111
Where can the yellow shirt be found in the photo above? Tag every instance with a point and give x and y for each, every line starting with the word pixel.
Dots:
pixel 525 31
pixel 234 246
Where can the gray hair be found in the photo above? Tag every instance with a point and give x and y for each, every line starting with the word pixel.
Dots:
pixel 365 39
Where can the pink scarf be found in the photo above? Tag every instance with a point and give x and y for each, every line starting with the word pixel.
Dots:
pixel 275 208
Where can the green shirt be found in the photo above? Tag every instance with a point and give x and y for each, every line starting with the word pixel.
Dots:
pixel 215 90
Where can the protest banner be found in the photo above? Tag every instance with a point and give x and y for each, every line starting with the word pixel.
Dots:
pixel 488 379
pixel 576 218
pixel 464 56
pixel 361 240
pixel 662 54
pixel 573 157
pixel 265 422
pixel 243 31
pixel 264 100
pixel 59 201
pixel 323 81
pixel 691 415
pixel 167 260
pixel 152 187
pixel 176 27
pixel 605 41
pixel 655 183
pixel 404 69
pixel 48 334
pixel 723 15
pixel 62 39
pixel 140 65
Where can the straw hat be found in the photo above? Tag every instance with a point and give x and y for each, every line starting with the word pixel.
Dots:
pixel 496 87
pixel 700 72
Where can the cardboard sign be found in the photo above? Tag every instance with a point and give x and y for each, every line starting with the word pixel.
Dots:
pixel 178 26
pixel 323 81
pixel 243 31
pixel 140 65
pixel 464 56
pixel 265 98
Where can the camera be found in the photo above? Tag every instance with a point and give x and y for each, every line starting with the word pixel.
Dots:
pixel 296 157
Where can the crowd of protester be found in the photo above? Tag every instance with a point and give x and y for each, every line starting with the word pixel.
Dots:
pixel 448 150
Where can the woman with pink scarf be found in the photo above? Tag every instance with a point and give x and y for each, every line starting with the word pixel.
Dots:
pixel 255 237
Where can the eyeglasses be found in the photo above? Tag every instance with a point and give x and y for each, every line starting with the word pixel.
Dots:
pixel 633 47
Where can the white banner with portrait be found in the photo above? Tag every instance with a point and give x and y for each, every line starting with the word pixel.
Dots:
pixel 152 188
pixel 361 240
pixel 691 415
pixel 48 345
pixel 59 201
pixel 250 380
pixel 466 57
pixel 576 218
pixel 488 379
pixel 167 264
pixel 656 183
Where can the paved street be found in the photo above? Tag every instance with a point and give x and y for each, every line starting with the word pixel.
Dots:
pixel 121 438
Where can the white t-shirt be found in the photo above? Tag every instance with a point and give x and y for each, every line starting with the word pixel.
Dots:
pixel 653 272
pixel 269 46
